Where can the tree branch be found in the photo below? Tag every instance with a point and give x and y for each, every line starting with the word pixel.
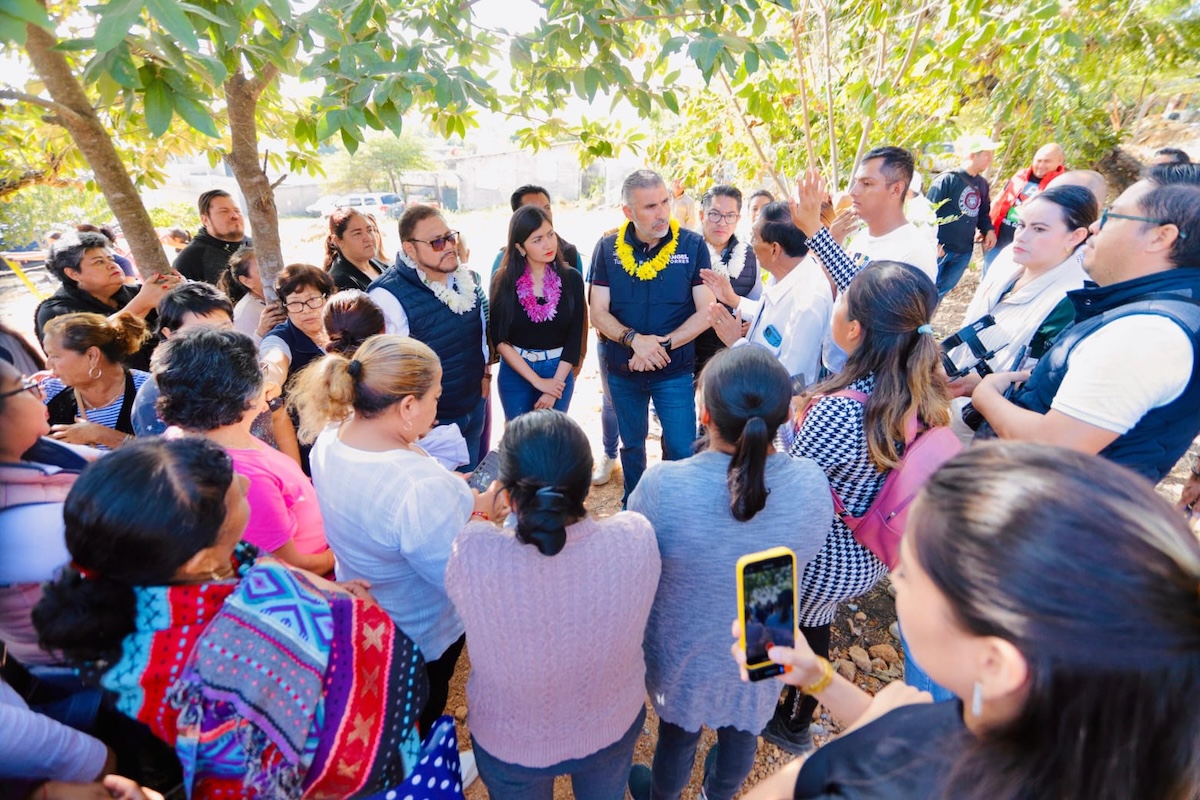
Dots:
pixel 797 26
pixel 58 108
pixel 649 17
pixel 282 178
pixel 750 131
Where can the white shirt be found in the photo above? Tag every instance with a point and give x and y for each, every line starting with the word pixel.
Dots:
pixel 37 747
pixel 391 518
pixel 395 318
pixel 795 312
pixel 907 244
pixel 247 314
pixel 1125 370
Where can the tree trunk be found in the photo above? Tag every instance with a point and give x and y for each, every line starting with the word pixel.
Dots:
pixel 74 111
pixel 241 100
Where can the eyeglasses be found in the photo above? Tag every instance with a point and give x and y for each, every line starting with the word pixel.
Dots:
pixel 27 385
pixel 1106 215
pixel 715 216
pixel 439 244
pixel 296 306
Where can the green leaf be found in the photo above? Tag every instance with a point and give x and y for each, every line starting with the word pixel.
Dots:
pixel 168 14
pixel 389 116
pixel 349 142
pixel 670 101
pixel 360 17
pixel 203 13
pixel 705 53
pixel 1072 39
pixel 159 107
pixel 751 61
pixel 118 17
pixel 196 115
pixel 28 11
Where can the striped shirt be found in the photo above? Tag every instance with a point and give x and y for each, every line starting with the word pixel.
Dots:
pixel 106 416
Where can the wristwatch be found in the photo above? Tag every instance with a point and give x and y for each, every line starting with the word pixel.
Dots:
pixel 667 345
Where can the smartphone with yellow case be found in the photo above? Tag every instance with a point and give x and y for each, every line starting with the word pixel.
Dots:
pixel 766 607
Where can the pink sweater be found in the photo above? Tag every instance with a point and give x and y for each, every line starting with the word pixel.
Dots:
pixel 557 670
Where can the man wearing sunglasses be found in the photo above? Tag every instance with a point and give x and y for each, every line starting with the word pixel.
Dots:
pixel 1123 379
pixel 429 295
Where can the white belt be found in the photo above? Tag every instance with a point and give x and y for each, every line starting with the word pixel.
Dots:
pixel 534 356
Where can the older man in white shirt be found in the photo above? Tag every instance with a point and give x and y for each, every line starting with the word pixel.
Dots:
pixel 793 313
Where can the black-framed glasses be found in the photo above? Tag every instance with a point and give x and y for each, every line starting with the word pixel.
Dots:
pixel 27 385
pixel 715 216
pixel 1107 214
pixel 296 306
pixel 439 244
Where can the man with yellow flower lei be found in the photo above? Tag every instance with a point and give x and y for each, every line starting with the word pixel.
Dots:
pixel 649 304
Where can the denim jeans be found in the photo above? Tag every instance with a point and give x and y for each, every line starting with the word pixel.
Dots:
pixel 518 395
pixel 599 776
pixel 915 676
pixel 470 425
pixel 608 415
pixel 674 400
pixel 950 270
pixel 676 753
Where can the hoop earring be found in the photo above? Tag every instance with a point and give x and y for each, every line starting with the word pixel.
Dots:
pixel 95 368
pixel 977 700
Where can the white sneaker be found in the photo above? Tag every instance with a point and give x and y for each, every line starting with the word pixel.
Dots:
pixel 470 772
pixel 603 470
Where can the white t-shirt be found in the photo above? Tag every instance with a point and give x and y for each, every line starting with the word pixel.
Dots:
pixel 391 518
pixel 907 244
pixel 37 747
pixel 1124 370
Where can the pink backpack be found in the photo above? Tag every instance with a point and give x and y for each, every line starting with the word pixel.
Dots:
pixel 925 450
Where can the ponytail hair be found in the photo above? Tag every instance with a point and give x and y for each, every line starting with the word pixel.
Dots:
pixel 546 468
pixel 894 303
pixel 350 318
pixel 133 518
pixel 385 369
pixel 116 337
pixel 238 267
pixel 747 394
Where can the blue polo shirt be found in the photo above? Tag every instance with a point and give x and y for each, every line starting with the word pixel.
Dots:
pixel 656 306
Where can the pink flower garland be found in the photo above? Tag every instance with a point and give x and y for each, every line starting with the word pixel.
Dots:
pixel 551 287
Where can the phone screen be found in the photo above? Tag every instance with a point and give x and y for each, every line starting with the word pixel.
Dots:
pixel 770 611
pixel 486 472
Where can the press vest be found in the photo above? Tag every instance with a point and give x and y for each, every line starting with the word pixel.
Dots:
pixel 1153 445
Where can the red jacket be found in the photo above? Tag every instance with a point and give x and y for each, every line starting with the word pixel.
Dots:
pixel 1012 191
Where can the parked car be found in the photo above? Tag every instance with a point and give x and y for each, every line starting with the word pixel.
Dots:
pixel 324 206
pixel 381 204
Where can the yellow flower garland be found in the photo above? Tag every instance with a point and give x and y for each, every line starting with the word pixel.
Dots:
pixel 648 270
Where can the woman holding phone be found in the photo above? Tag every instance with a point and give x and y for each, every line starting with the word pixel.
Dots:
pixel 996 594
pixel 736 496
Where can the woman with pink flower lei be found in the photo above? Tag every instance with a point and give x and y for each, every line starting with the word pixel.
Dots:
pixel 536 326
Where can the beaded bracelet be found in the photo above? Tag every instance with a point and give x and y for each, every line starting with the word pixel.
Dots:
pixel 823 683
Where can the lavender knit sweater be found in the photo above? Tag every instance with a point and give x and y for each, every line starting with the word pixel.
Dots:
pixel 557 671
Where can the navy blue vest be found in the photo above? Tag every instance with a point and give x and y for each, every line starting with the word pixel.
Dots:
pixel 456 338
pixel 1160 438
pixel 304 350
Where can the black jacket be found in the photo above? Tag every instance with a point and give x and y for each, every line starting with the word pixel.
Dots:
pixel 71 300
pixel 206 257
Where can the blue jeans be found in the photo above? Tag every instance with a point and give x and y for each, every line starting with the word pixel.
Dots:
pixel 676 753
pixel 915 676
pixel 518 395
pixel 608 415
pixel 470 425
pixel 599 776
pixel 950 270
pixel 674 400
